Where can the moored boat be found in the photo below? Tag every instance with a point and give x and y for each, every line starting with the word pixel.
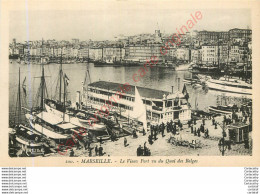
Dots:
pixel 223 109
pixel 231 86
pixel 29 141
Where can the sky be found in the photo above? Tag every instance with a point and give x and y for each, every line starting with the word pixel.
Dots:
pixel 107 24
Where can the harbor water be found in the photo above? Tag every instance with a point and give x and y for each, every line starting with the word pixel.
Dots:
pixel 155 78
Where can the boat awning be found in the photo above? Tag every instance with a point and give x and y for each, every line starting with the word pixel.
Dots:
pixel 50 118
pixel 67 126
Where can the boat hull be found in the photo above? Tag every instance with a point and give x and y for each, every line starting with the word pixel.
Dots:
pixel 215 110
pixel 230 89
pixel 76 121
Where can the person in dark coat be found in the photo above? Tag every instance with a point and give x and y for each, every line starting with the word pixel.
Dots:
pixel 96 150
pixel 139 151
pixel 195 132
pixel 213 121
pixel 151 130
pixel 125 142
pixel 174 130
pixel 207 132
pixel 150 139
pixel 216 126
pixel 191 129
pixel 71 153
pixel 203 122
pixel 198 132
pixel 90 152
pixel 134 134
pixel 162 131
pixel 144 133
pixel 100 151
pixel 77 144
pixel 168 127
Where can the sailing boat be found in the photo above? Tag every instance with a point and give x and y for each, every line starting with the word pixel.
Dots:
pixel 27 139
pixel 139 110
pixel 59 108
pixel 45 123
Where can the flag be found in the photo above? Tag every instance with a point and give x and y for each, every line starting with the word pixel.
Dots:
pixel 24 86
pixel 67 80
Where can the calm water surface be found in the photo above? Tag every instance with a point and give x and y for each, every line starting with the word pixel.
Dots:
pixel 155 78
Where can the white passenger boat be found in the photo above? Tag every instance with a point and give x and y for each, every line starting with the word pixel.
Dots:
pixel 230 85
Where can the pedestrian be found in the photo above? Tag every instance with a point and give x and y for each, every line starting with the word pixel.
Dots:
pixel 77 144
pixel 174 129
pixel 216 125
pixel 168 127
pixel 100 151
pixel 206 133
pixel 100 140
pixel 125 142
pixel 96 150
pixel 139 151
pixel 155 134
pixel 144 133
pixel 203 122
pixel 134 134
pixel 191 129
pixel 189 123
pixel 152 130
pixel 198 132
pixel 71 152
pixel 213 121
pixel 162 132
pixel 90 152
pixel 195 132
pixel 150 139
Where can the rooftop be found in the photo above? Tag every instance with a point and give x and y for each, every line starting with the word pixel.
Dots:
pixel 144 92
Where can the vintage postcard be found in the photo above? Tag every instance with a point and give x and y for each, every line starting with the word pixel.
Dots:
pixel 129 83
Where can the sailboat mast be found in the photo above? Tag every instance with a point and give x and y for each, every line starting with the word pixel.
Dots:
pixel 218 53
pixel 42 87
pixel 60 76
pixel 86 85
pixel 64 98
pixel 19 99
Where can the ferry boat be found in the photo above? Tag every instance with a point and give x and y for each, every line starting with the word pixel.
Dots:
pixel 230 85
pixel 160 106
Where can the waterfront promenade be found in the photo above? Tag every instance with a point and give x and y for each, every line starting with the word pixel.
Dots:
pixel 161 147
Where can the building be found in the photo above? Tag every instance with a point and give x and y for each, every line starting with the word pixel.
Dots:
pixel 213 36
pixel 245 34
pixel 83 52
pixel 96 53
pixel 183 54
pixel 161 106
pixel 209 54
pixel 113 53
pixel 141 53
pixel 196 56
